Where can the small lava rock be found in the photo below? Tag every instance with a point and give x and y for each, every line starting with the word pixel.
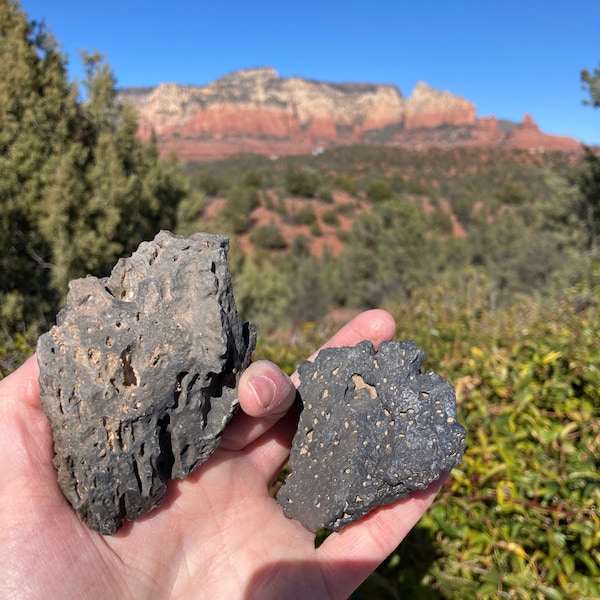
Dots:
pixel 373 428
pixel 139 376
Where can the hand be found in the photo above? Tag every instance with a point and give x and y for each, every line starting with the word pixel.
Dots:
pixel 219 533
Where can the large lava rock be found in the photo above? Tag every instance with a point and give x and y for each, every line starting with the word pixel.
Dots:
pixel 139 376
pixel 373 428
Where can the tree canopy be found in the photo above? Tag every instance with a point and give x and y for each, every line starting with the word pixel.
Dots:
pixel 591 84
pixel 589 184
pixel 77 186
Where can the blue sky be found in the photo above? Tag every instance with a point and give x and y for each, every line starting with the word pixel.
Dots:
pixel 506 57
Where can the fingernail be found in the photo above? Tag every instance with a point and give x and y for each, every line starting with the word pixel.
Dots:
pixel 264 391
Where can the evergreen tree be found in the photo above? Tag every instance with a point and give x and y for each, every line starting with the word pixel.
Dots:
pixel 37 109
pixel 78 188
pixel 589 184
pixel 384 255
pixel 591 84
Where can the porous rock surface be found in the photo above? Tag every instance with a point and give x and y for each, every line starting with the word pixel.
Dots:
pixel 373 428
pixel 139 376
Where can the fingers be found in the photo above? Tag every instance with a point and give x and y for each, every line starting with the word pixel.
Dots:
pixel 265 395
pixel 348 557
pixel 265 390
pixel 22 386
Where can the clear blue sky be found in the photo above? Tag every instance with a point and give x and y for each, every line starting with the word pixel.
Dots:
pixel 506 57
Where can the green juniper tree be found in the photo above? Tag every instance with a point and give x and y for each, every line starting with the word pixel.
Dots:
pixel 37 124
pixel 77 187
pixel 589 184
pixel 591 84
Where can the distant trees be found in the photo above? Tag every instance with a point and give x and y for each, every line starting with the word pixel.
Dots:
pixel 589 184
pixel 77 187
pixel 384 255
pixel 589 206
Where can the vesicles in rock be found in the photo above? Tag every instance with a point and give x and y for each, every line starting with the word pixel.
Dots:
pixel 373 428
pixel 139 376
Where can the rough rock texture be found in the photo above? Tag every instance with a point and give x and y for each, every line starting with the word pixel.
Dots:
pixel 139 376
pixel 257 111
pixel 373 428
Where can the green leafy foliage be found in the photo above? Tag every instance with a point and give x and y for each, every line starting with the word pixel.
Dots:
pixel 379 190
pixel 236 216
pixel 520 517
pixel 268 237
pixel 591 84
pixel 301 183
pixel 385 254
pixel 77 187
pixel 588 208
pixel 305 215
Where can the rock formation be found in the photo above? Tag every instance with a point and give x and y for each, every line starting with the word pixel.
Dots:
pixel 138 378
pixel 428 108
pixel 256 110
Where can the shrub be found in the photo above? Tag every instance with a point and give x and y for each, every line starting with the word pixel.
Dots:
pixel 325 196
pixel 378 191
pixel 189 213
pixel 301 183
pixel 330 217
pixel 348 184
pixel 241 201
pixel 304 216
pixel 513 192
pixel 268 237
pixel 208 183
pixel 253 179
pixel 418 188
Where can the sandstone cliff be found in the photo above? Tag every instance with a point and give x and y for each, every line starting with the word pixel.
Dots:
pixel 427 107
pixel 256 110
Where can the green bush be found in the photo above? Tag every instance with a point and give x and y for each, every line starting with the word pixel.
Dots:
pixel 305 215
pixel 324 195
pixel 418 188
pixel 301 183
pixel 378 191
pixel 241 201
pixel 189 213
pixel 208 183
pixel 268 237
pixel 330 217
pixel 348 184
pixel 253 179
pixel 513 192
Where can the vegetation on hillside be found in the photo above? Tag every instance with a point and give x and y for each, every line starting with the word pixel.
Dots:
pixel 488 259
pixel 411 219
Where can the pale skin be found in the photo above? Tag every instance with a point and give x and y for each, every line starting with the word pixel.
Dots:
pixel 218 535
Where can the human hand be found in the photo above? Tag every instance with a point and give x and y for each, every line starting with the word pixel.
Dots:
pixel 219 533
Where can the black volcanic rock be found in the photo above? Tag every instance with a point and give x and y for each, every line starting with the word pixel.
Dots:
pixel 373 428
pixel 139 376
